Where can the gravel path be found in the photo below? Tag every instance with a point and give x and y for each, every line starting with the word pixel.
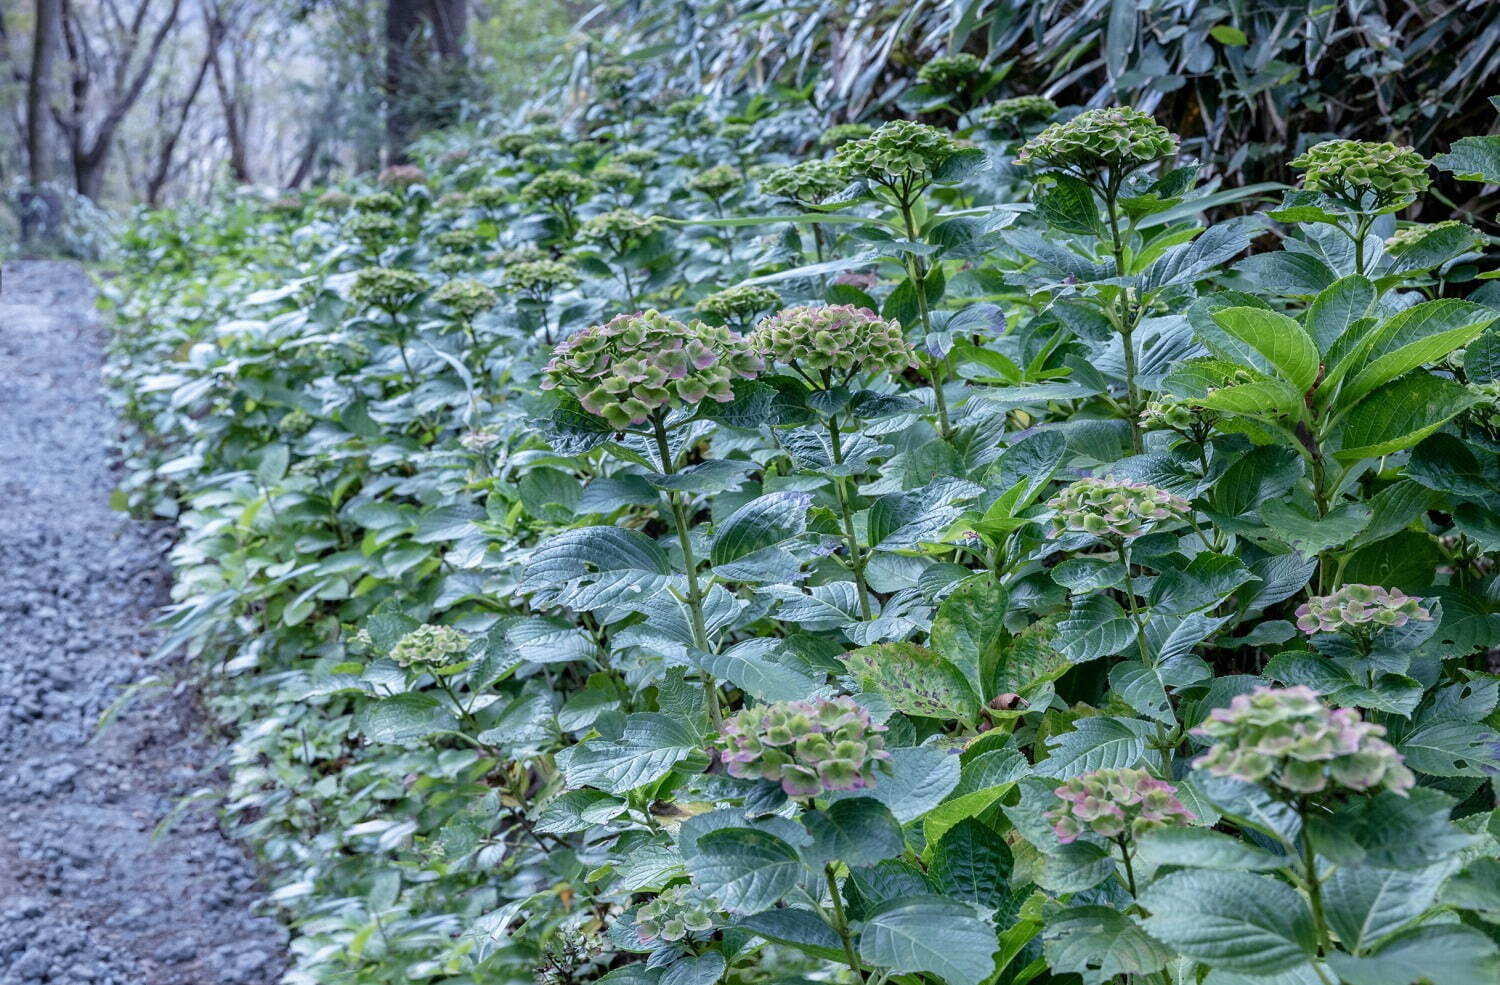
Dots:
pixel 87 894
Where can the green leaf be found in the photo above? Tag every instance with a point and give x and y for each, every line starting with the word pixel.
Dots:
pixel 1339 306
pixel 1095 627
pixel 1096 744
pixel 1413 337
pixel 1399 415
pixel 647 749
pixel 973 864
pixel 1100 944
pixel 1281 342
pixel 1365 904
pixel 745 869
pixel 1067 204
pixel 695 969
pixel 1203 848
pixel 1292 524
pixel 1472 159
pixel 1287 273
pixel 1439 954
pixel 1142 688
pixel 404 718
pixel 1228 35
pixel 1232 920
pixel 932 935
pixel 756 667
pixel 796 928
pixel 858 831
pixel 915 680
pixel 919 778
pixel 969 627
pixel 1452 748
pixel 594 567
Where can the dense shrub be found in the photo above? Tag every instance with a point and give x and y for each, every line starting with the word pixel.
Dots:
pixel 1052 589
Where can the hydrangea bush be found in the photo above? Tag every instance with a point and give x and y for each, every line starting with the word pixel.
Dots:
pixel 1073 572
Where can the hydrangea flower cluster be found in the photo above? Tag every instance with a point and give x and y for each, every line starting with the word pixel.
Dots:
pixel 617 227
pixel 1111 803
pixel 557 186
pixel 460 240
pixel 372 228
pixel 674 913
pixel 1353 170
pixel 636 157
pixel 809 747
pixel 1360 609
pixel 489 197
pixel 632 365
pixel 899 151
pixel 613 78
pixel 613 175
pixel 1112 508
pixel 738 304
pixel 537 278
pixel 1287 737
pixel 1016 113
pixel 376 202
pixel 465 297
pixel 950 73
pixel 387 288
pixel 809 181
pixel 1164 413
pixel 734 132
pixel 334 200
pixel 402 176
pixel 717 181
pixel 839 339
pixel 430 646
pixel 842 133
pixel 1118 140
pixel 295 423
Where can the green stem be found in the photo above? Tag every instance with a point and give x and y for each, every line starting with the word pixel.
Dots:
pixel 856 554
pixel 938 367
pixel 1129 865
pixel 1314 884
pixel 841 922
pixel 690 566
pixel 1127 317
pixel 1134 613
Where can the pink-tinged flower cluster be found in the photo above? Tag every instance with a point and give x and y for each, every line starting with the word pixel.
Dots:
pixel 633 365
pixel 839 339
pixel 809 747
pixel 1288 738
pixel 1360 608
pixel 1110 803
pixel 1113 508
pixel 402 176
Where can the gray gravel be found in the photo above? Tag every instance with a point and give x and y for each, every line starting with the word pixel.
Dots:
pixel 87 894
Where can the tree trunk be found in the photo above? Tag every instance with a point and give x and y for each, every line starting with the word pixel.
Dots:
pixel 229 97
pixel 40 207
pixel 402 22
pixel 163 170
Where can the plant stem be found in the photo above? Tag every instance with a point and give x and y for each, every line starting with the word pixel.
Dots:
pixel 841 922
pixel 690 566
pixel 918 277
pixel 1314 884
pixel 1129 865
pixel 856 554
pixel 1127 317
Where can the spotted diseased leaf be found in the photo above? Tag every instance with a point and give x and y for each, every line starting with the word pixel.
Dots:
pixel 915 680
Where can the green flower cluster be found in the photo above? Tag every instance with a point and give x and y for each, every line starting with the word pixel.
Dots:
pixel 377 202
pixel 538 278
pixel 738 304
pixel 837 339
pixel 430 646
pixel 1361 173
pixel 734 132
pixel 636 157
pixel 674 913
pixel 950 73
pixel 842 133
pixel 387 288
pixel 1112 802
pixel 372 228
pixel 1112 508
pixel 899 151
pixel 1287 737
pixel 809 181
pixel 557 186
pixel 1016 113
pixel 628 367
pixel 1360 609
pixel 334 200
pixel 489 197
pixel 618 227
pixel 466 297
pixel 1118 140
pixel 1165 413
pixel 717 181
pixel 612 78
pixel 613 175
pixel 520 254
pixel 296 423
pixel 680 109
pixel 460 240
pixel 1486 413
pixel 809 747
